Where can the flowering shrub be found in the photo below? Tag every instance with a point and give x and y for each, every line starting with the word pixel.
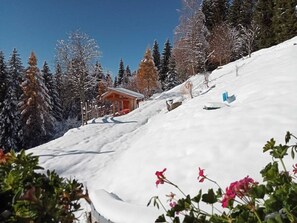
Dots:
pixel 245 200
pixel 27 195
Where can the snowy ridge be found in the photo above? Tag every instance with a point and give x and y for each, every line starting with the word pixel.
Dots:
pixel 120 155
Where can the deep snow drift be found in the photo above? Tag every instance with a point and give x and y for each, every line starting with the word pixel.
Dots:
pixel 120 155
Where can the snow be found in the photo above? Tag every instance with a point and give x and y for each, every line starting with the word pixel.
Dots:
pixel 117 157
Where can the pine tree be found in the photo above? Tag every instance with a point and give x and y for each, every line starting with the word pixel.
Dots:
pixel 156 54
pixel 60 83
pixel 263 19
pixel 215 12
pixel 234 13
pixel 115 83
pixel 16 69
pixel 10 125
pixel 55 102
pixel 98 75
pixel 284 20
pixel 172 77
pixel 102 88
pixel 147 78
pixel 132 83
pixel 34 105
pixel 121 73
pixel 241 13
pixel 127 76
pixel 98 72
pixel 164 65
pixel 128 71
pixel 3 76
pixel 109 81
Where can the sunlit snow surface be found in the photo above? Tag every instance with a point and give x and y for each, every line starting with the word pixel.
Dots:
pixel 120 155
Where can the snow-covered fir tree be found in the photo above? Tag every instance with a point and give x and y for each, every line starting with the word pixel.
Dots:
pixel 55 102
pixel 284 20
pixel 3 75
pixel 98 76
pixel 172 79
pixel 10 125
pixel 263 19
pixel 115 83
pixel 121 73
pixel 241 13
pixel 215 12
pixel 156 54
pixel 98 72
pixel 128 71
pixel 132 83
pixel 164 65
pixel 16 69
pixel 127 76
pixel 59 80
pixel 34 106
pixel 109 81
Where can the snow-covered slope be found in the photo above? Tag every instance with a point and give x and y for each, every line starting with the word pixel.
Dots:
pixel 120 155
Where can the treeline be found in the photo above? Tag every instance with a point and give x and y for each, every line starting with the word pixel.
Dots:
pixel 211 34
pixel 36 105
pixel 219 31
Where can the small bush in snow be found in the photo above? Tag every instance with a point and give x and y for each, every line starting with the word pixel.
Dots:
pixel 27 195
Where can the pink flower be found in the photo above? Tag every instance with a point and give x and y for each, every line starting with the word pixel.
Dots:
pixel 295 169
pixel 225 202
pixel 201 175
pixel 238 188
pixel 172 204
pixel 160 176
pixel 170 196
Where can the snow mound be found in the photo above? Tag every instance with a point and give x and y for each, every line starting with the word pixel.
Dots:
pixel 120 155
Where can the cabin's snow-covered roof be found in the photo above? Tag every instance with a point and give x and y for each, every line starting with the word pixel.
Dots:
pixel 126 92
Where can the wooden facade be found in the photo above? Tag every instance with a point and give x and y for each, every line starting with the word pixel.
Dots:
pixel 123 100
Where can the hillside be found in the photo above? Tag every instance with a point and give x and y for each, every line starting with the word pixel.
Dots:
pixel 120 155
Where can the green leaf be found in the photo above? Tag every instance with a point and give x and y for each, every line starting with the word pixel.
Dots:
pixel 279 151
pixel 269 145
pixel 161 218
pixel 210 197
pixel 290 216
pixel 258 191
pixel 288 137
pixel 270 172
pixel 292 153
pixel 148 204
pixel 176 220
pixel 197 198
pixel 275 218
pixel 23 210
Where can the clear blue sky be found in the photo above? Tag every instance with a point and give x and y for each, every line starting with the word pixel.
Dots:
pixel 122 28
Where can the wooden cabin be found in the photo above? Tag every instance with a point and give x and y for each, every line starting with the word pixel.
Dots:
pixel 123 100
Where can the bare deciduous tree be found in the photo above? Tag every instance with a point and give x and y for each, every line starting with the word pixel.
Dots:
pixel 77 56
pixel 248 37
pixel 191 44
pixel 224 42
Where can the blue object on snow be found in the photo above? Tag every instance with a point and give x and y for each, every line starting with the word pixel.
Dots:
pixel 225 96
pixel 231 98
